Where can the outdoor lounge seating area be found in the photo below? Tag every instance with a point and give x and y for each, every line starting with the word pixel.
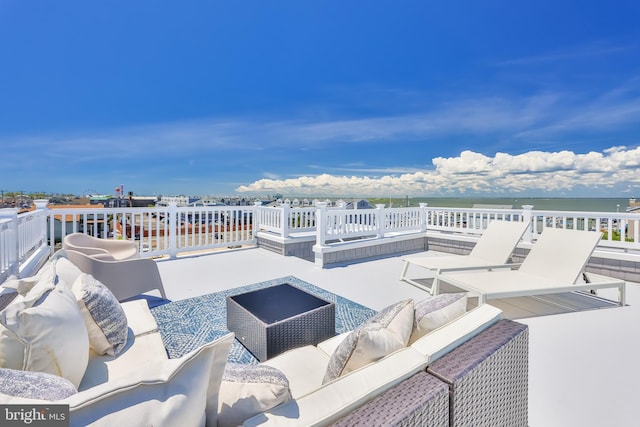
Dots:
pixel 477 348
pixel 126 373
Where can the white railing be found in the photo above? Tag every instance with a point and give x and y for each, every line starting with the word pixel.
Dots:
pixel 171 230
pixel 620 230
pixel 468 221
pixel 284 220
pixel 160 230
pixel 21 236
pixel 8 248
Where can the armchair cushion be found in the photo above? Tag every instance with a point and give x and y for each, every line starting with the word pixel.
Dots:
pixel 384 333
pixel 35 385
pixel 104 317
pixel 248 390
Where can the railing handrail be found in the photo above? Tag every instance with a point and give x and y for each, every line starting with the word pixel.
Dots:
pixel 168 230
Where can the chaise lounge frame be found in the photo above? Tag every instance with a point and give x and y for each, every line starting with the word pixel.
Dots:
pixel 555 264
pixel 493 249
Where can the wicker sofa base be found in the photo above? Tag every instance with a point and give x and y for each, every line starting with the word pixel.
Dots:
pixel 421 400
pixel 483 382
pixel 488 377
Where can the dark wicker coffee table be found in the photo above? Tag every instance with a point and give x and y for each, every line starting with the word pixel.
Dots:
pixel 272 320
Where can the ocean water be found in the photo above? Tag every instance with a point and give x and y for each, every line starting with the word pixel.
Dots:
pixel 556 204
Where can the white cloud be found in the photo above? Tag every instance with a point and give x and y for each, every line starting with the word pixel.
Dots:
pixel 475 173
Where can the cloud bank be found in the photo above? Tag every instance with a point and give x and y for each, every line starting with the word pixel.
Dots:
pixel 472 173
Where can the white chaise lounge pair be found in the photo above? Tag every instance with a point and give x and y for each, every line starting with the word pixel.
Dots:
pixel 555 264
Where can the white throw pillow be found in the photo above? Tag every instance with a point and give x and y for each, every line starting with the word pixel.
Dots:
pixel 437 311
pixel 66 271
pixel 104 317
pixel 248 390
pixel 23 286
pixel 35 385
pixel 45 333
pixel 385 332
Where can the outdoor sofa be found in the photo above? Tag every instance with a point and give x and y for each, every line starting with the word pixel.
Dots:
pixel 471 370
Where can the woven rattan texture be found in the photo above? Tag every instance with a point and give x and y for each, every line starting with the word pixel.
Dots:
pixel 488 377
pixel 265 341
pixel 421 400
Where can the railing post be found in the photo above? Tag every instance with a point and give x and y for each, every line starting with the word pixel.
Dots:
pixel 256 220
pixel 285 209
pixel 423 217
pixel 41 205
pixel 527 216
pixel 321 223
pixel 173 230
pixel 380 221
pixel 14 246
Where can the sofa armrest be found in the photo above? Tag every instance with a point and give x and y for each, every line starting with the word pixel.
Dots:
pixel 488 377
pixel 441 341
pixel 418 401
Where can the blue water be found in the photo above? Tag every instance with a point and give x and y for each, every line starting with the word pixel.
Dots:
pixel 559 204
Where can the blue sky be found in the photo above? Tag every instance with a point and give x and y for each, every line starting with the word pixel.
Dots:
pixel 321 98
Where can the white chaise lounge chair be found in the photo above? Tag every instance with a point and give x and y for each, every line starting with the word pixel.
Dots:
pixel 555 264
pixel 493 249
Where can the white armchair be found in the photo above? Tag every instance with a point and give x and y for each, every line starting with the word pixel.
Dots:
pixel 118 249
pixel 125 278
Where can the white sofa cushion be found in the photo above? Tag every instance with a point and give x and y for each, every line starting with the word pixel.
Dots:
pixel 143 350
pixel 444 339
pixel 45 333
pixel 139 317
pixel 334 400
pixel 174 392
pixel 105 320
pixel 304 367
pixel 435 311
pixel 384 333
pixel 34 385
pixel 247 390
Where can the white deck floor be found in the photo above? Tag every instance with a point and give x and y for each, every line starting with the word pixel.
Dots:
pixel 583 366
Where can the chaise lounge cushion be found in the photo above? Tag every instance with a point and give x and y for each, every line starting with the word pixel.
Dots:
pixel 104 317
pixel 248 390
pixel 434 312
pixel 384 333
pixel 35 385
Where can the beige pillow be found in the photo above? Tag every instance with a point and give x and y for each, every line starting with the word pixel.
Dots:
pixel 248 390
pixel 45 333
pixel 437 311
pixel 385 332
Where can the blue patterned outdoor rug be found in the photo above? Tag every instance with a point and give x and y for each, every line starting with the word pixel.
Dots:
pixel 187 324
